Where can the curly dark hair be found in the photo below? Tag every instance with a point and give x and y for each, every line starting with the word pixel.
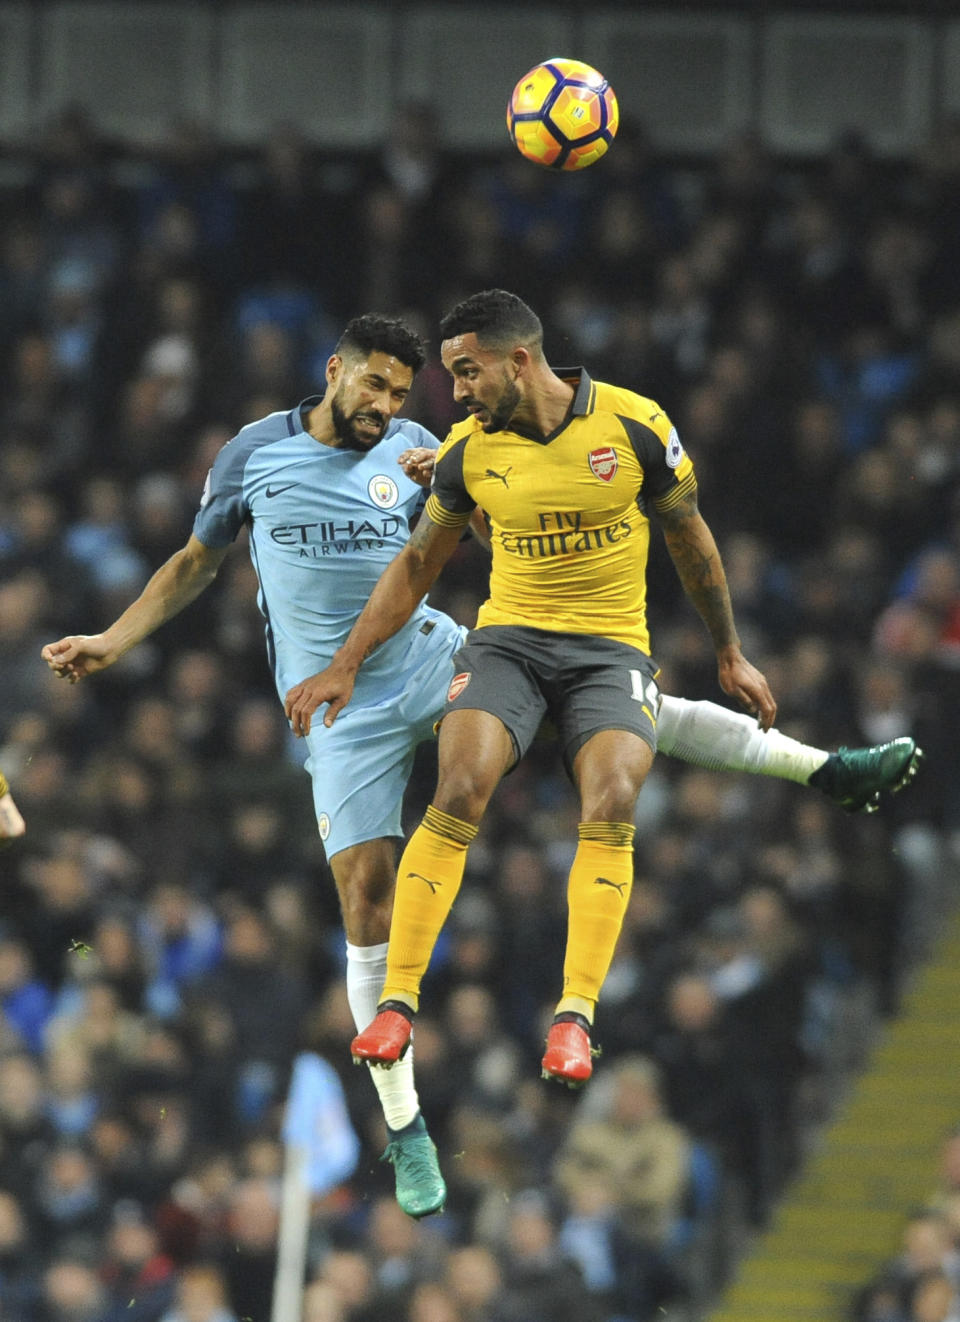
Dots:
pixel 499 319
pixel 372 333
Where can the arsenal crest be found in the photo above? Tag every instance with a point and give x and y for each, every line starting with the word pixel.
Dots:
pixel 603 463
pixel 457 685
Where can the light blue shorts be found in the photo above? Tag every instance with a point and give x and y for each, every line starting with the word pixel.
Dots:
pixel 361 766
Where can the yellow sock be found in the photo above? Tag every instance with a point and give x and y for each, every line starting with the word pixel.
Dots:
pixel 597 895
pixel 428 879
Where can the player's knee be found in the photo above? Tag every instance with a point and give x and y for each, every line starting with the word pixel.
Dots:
pixel 463 794
pixel 613 797
pixel 365 910
pixel 365 880
pixel 364 888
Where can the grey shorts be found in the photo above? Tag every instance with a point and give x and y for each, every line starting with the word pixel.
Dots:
pixel 584 684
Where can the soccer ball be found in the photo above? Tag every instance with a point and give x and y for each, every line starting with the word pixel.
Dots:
pixel 563 114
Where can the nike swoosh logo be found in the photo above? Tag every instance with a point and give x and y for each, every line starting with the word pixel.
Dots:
pixel 434 885
pixel 605 881
pixel 278 491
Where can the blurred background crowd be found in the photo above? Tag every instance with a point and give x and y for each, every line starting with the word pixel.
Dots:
pixel 169 935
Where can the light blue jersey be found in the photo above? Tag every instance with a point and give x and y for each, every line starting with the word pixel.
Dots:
pixel 324 523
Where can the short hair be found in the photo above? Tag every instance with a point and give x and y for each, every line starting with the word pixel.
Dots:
pixel 500 320
pixel 372 333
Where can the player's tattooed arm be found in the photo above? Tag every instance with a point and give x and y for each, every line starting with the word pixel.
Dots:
pixel 398 591
pixel 697 560
pixel 383 615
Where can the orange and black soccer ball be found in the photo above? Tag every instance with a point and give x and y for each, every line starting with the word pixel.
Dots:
pixel 563 114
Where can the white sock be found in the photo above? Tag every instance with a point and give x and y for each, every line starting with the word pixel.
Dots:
pixel 712 736
pixel 366 974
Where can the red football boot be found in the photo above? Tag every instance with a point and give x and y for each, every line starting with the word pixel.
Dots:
pixel 385 1040
pixel 568 1057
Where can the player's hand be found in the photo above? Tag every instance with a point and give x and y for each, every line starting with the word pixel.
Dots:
pixel 744 681
pixel 80 655
pixel 12 824
pixel 418 464
pixel 333 686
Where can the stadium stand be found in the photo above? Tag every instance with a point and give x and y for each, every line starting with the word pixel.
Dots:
pixel 169 935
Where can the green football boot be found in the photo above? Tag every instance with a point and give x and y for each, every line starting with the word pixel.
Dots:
pixel 413 1154
pixel 856 777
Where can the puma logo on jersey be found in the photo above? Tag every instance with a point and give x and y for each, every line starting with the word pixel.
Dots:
pixel 502 476
pixel 434 885
pixel 605 881
pixel 654 416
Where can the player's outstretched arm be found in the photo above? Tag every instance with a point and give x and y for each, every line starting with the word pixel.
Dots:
pixel 697 560
pixel 175 584
pixel 12 824
pixel 398 591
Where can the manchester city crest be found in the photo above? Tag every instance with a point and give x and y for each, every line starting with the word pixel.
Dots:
pixel 383 491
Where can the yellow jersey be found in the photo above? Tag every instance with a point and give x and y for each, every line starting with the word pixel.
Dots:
pixel 569 531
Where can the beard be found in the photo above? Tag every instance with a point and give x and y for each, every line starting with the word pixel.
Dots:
pixel 345 427
pixel 505 407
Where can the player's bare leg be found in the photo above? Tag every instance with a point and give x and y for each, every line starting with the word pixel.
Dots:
pixel 474 751
pixel 608 771
pixel 712 736
pixel 364 875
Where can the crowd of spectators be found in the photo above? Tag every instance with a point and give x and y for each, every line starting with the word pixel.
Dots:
pixel 921 1282
pixel 169 936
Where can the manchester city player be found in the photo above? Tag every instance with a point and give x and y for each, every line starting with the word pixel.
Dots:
pixel 328 507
